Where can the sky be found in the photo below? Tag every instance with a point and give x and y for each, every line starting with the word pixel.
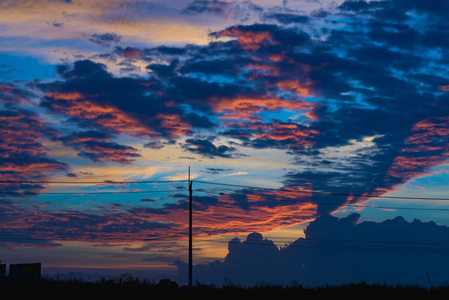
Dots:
pixel 301 122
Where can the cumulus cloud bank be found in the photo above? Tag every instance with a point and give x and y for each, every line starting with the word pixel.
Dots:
pixel 336 251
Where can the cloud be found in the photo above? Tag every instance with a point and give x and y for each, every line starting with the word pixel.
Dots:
pixel 426 147
pixel 380 8
pixel 216 170
pixel 334 251
pixel 224 214
pixel 214 7
pixel 356 99
pixel 263 36
pixel 286 18
pixel 117 105
pixel 140 22
pixel 243 11
pixel 243 212
pixel 23 157
pixel 278 135
pixel 180 176
pixel 358 104
pixel 276 86
pixel 158 144
pixel 206 148
pixel 105 40
pixel 97 146
pixel 12 94
pixel 87 227
pixel 236 174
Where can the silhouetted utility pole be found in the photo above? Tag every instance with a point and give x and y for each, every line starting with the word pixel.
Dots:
pixel 190 237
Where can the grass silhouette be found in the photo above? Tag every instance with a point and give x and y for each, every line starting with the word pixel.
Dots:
pixel 127 285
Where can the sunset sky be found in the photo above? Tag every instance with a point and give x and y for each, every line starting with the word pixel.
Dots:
pixel 284 111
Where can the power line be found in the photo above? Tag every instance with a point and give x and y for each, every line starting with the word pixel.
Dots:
pixel 266 243
pixel 283 239
pixel 333 247
pixel 321 193
pixel 88 193
pixel 78 236
pixel 215 183
pixel 354 248
pixel 304 246
pixel 90 182
pixel 341 204
pixel 377 241
pixel 266 197
pixel 278 239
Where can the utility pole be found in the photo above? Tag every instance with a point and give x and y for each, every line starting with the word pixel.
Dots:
pixel 190 237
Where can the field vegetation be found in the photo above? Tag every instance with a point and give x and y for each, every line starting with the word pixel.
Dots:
pixel 127 286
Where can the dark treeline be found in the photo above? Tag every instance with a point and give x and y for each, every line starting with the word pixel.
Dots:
pixel 167 289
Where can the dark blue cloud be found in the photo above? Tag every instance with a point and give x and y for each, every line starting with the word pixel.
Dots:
pixel 12 95
pixel 142 102
pixel 213 67
pixel 205 6
pixel 286 37
pixel 105 40
pixel 286 18
pixel 155 144
pixel 239 10
pixel 216 170
pixel 96 146
pixel 335 251
pixel 206 148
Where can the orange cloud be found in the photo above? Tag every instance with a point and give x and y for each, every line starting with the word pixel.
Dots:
pixel 267 212
pixel 212 215
pixel 284 135
pixel 6 88
pixel 444 88
pixel 244 108
pixel 248 40
pixel 312 115
pixel 267 69
pixel 77 105
pixel 131 53
pixel 22 156
pixel 173 124
pixel 290 132
pixel 426 147
pixel 301 88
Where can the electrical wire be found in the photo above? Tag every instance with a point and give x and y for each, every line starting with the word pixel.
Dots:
pixel 91 182
pixel 303 244
pixel 211 183
pixel 274 239
pixel 354 248
pixel 277 240
pixel 78 236
pixel 321 193
pixel 371 248
pixel 88 193
pixel 88 182
pixel 267 197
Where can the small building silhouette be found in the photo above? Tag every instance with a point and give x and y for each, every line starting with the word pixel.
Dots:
pixel 2 272
pixel 28 271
